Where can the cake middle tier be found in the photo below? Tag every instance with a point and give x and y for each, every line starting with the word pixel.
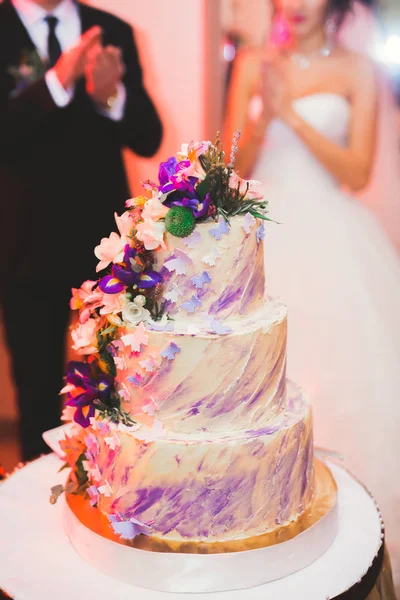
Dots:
pixel 205 381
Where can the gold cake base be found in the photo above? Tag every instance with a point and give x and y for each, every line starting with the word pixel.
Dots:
pixel 324 499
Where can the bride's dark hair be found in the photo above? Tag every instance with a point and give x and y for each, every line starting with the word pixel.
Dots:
pixel 338 9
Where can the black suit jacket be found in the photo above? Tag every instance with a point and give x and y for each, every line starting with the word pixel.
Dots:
pixel 61 171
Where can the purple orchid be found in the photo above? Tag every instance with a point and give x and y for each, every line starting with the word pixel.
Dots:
pixel 129 273
pixel 88 388
pixel 202 208
pixel 185 188
pixel 181 190
pixel 197 205
pixel 165 170
pixel 167 173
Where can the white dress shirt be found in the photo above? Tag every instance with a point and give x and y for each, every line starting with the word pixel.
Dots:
pixel 68 31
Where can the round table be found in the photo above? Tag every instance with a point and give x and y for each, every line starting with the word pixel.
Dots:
pixel 37 560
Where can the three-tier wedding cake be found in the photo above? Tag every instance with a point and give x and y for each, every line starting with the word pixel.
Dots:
pixel 187 434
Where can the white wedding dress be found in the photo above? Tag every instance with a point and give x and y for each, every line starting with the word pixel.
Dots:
pixel 331 262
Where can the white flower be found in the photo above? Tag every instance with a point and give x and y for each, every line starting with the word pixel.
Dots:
pixel 140 300
pixel 133 314
pixel 151 233
pixel 110 250
pixel 154 209
pixel 252 186
pixel 124 223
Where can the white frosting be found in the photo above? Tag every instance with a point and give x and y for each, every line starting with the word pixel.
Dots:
pixel 214 488
pixel 213 382
pixel 234 263
pixel 221 450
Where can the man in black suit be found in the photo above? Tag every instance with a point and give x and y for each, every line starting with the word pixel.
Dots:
pixel 71 97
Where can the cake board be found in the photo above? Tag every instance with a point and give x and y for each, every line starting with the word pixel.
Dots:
pixel 38 561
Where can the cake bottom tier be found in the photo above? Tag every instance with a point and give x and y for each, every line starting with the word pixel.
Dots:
pixel 211 489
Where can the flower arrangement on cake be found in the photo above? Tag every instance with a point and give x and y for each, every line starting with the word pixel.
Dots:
pixel 117 311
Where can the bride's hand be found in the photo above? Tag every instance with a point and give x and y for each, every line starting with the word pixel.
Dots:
pixel 275 90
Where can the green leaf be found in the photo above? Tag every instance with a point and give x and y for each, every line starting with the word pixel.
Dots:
pixel 204 162
pixel 110 329
pixel 64 466
pixel 203 187
pixel 260 216
pixel 80 471
pixel 71 487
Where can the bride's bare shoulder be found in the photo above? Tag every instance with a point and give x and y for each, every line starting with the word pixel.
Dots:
pixel 355 64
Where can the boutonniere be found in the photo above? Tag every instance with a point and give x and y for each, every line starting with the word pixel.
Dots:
pixel 31 68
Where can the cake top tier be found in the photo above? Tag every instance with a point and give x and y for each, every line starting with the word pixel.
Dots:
pixel 186 254
pixel 215 273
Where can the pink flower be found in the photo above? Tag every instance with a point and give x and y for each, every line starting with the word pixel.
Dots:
pixel 149 185
pixel 110 250
pixel 73 446
pixel 154 209
pixel 112 304
pixel 79 295
pixel 253 192
pixel 86 300
pixel 192 152
pixel 68 413
pixel 124 223
pixel 84 337
pixel 136 202
pixel 151 234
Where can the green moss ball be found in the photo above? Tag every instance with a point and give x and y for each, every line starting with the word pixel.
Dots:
pixel 180 221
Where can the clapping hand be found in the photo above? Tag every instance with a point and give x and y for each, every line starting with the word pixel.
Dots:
pixel 103 67
pixel 275 89
pixel 71 64
pixel 104 70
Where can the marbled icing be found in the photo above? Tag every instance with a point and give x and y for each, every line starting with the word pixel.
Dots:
pixel 237 278
pixel 213 487
pixel 223 448
pixel 215 383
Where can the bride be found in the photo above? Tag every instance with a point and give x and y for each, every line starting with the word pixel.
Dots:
pixel 312 145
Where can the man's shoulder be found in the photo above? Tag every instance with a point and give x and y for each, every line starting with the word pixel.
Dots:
pixel 5 11
pixel 104 18
pixel 8 24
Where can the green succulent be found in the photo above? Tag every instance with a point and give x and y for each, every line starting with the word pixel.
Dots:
pixel 180 221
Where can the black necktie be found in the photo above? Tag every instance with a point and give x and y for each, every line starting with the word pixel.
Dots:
pixel 53 45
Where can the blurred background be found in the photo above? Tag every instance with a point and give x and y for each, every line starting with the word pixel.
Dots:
pixel 245 23
pixel 187 50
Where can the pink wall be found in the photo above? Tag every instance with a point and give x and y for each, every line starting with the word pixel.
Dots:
pixel 178 45
pixel 249 18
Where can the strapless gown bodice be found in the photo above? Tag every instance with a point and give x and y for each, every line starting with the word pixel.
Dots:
pixel 285 160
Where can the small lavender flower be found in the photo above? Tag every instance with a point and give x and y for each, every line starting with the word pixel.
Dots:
pixel 234 148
